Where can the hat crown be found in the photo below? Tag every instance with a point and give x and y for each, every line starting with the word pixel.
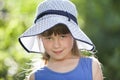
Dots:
pixel 62 5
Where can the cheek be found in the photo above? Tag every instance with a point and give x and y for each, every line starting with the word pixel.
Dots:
pixel 69 43
pixel 46 45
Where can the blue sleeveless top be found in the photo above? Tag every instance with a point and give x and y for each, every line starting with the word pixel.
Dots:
pixel 83 71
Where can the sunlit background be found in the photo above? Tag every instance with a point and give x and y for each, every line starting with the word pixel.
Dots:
pixel 99 19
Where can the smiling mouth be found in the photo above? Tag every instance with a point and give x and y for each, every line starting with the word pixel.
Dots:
pixel 58 52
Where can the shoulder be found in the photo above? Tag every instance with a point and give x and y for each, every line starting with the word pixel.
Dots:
pixel 95 62
pixel 31 76
pixel 95 66
pixel 96 69
pixel 37 74
pixel 86 59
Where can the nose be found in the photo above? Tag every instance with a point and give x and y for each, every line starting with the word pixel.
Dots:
pixel 56 43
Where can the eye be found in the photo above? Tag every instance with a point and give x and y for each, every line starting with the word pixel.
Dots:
pixel 48 38
pixel 63 36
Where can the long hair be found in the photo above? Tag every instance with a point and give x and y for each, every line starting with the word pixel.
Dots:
pixel 57 30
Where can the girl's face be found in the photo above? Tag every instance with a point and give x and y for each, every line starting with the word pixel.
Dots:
pixel 58 46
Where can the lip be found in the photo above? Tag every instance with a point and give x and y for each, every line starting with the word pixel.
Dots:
pixel 58 52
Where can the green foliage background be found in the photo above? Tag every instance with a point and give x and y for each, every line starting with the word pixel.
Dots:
pixel 99 19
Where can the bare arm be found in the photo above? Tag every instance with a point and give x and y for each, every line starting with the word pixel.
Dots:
pixel 97 71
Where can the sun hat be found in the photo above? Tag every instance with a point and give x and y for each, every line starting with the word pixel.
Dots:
pixel 48 14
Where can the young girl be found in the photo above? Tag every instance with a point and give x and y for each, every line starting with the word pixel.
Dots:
pixel 56 34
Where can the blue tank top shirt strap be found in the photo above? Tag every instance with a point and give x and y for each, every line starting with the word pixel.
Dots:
pixel 83 71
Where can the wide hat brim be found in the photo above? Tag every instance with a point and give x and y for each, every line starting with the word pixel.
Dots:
pixel 29 39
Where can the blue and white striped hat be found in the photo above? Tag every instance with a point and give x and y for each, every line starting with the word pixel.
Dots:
pixel 49 13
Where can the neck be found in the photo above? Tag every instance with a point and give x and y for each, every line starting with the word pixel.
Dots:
pixel 63 59
pixel 53 61
pixel 59 65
